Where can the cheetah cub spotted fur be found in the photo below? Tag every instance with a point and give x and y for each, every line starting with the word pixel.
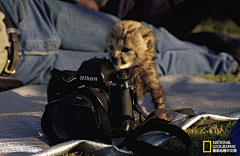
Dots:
pixel 131 45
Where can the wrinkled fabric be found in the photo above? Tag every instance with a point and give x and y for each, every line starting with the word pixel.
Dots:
pixel 22 108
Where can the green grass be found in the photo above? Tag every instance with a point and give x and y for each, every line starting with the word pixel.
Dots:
pixel 227 27
pixel 101 3
pixel 221 78
pixel 198 134
pixel 77 154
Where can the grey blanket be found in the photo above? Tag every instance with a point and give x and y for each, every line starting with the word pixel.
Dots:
pixel 22 108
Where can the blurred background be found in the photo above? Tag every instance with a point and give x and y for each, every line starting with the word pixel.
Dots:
pixel 216 22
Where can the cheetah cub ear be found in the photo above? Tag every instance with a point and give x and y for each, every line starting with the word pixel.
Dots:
pixel 149 38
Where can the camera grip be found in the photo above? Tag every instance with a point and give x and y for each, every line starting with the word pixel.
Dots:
pixel 121 112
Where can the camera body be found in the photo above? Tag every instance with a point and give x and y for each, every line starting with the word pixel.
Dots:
pixel 96 83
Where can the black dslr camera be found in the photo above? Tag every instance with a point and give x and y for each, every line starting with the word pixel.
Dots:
pixel 89 103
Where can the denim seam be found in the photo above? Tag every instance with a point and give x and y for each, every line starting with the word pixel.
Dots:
pixel 24 14
pixel 52 47
pixel 41 42
pixel 28 53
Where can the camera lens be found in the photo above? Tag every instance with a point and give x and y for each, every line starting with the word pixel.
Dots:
pixel 73 119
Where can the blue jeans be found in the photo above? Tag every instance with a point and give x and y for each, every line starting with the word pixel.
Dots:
pixel 56 34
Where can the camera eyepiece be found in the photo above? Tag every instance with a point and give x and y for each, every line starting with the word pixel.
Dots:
pixel 122 74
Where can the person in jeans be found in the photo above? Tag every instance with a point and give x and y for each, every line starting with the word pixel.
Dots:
pixel 58 34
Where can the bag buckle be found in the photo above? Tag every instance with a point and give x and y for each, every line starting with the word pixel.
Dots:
pixel 9 71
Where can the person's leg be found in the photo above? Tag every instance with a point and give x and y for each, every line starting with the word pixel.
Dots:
pixel 180 57
pixel 38 35
pixel 62 24
pixel 80 28
pixel 191 62
pixel 45 42
pixel 35 69
pixel 74 59
pixel 173 57
pixel 215 41
pixel 39 72
pixel 49 25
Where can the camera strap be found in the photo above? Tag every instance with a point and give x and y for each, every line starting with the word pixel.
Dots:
pixel 152 123
pixel 142 148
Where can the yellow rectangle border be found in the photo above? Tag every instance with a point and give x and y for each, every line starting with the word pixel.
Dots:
pixel 204 147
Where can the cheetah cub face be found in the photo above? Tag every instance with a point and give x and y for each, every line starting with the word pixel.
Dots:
pixel 129 44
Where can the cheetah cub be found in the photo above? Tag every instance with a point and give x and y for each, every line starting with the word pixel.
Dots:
pixel 131 45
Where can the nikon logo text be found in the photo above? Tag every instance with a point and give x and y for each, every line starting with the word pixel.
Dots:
pixel 88 78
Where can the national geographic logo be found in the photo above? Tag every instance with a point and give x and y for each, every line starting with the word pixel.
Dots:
pixel 218 147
